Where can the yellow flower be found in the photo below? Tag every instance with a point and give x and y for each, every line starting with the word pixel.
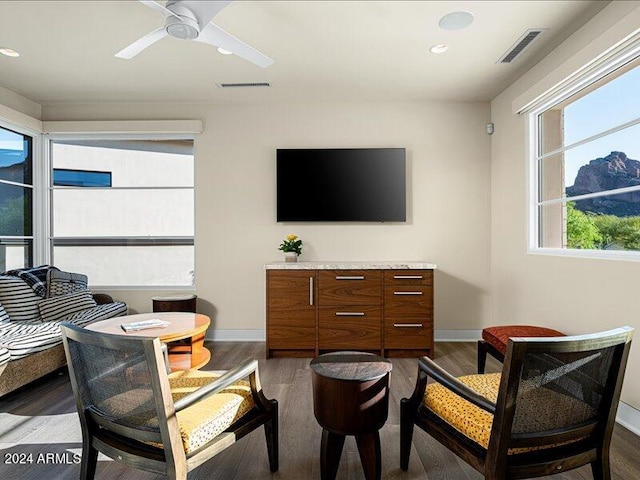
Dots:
pixel 291 237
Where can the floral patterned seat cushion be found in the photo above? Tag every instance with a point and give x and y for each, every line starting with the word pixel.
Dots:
pixel 208 418
pixel 498 336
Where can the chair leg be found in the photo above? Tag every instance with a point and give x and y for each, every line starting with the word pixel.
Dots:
pixel 601 468
pixel 89 462
pixel 407 417
pixel 271 433
pixel 482 355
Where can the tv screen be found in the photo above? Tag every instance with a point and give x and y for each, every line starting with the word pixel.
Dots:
pixel 341 185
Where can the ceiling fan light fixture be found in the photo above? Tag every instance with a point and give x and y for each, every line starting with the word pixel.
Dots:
pixel 456 20
pixel 224 52
pixel 440 48
pixel 183 27
pixel 9 52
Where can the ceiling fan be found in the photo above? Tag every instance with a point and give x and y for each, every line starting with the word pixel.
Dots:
pixel 191 20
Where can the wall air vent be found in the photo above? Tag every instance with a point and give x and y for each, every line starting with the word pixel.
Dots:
pixel 243 85
pixel 521 45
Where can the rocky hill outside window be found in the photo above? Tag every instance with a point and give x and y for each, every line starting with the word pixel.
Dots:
pixel 588 167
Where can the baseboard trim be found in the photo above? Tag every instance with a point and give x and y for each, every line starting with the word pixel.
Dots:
pixel 458 335
pixel 236 335
pixel 258 335
pixel 629 417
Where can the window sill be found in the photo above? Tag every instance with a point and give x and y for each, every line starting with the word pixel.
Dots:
pixel 627 256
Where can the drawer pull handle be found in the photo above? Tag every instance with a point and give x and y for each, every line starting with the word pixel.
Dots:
pixel 311 291
pixel 407 293
pixel 407 277
pixel 349 314
pixel 350 277
pixel 408 325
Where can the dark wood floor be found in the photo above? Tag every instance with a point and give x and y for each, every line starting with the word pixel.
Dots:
pixel 38 427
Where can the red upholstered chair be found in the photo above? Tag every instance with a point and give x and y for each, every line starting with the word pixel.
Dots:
pixel 494 340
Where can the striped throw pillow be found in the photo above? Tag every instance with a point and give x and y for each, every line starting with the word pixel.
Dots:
pixel 18 299
pixel 55 308
pixel 4 316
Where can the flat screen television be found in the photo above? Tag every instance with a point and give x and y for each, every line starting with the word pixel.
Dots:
pixel 341 185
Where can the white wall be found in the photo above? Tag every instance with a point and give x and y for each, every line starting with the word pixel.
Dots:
pixel 236 232
pixel 10 99
pixel 572 295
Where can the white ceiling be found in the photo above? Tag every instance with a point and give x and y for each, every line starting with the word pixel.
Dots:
pixel 323 50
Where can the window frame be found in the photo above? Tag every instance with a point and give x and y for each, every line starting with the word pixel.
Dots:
pixel 599 69
pixel 48 239
pixel 37 219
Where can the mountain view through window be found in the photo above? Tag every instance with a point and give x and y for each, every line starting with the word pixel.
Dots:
pixel 589 167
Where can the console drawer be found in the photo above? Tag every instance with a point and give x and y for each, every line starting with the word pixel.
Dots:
pixel 409 334
pixel 349 287
pixel 408 301
pixel 350 327
pixel 408 277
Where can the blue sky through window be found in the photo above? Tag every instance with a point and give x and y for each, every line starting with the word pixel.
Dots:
pixel 12 148
pixel 613 104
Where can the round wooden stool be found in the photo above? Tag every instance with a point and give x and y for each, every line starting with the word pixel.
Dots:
pixel 350 397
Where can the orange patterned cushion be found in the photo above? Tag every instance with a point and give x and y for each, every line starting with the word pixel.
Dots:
pixel 474 422
pixel 497 337
pixel 203 421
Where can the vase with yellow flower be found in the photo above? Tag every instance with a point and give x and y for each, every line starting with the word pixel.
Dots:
pixel 292 247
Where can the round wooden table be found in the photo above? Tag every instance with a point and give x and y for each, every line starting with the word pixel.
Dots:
pixel 350 397
pixel 192 326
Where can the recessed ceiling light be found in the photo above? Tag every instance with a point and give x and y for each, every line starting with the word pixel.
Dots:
pixel 443 47
pixel 223 51
pixel 456 20
pixel 9 52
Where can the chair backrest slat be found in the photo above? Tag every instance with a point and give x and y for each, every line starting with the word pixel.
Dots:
pixel 140 434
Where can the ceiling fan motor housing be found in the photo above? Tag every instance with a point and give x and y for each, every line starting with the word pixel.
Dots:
pixel 184 25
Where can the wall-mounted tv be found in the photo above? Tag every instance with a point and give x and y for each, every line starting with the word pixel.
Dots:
pixel 341 185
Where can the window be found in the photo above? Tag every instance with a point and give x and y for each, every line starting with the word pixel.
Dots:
pixel 16 200
pixel 64 177
pixel 587 168
pixel 122 210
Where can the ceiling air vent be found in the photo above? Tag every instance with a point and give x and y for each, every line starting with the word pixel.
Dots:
pixel 521 45
pixel 243 85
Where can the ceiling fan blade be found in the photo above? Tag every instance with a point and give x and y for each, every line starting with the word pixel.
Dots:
pixel 136 47
pixel 159 8
pixel 204 10
pixel 214 35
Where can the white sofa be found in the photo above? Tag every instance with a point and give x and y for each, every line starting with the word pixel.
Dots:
pixel 30 345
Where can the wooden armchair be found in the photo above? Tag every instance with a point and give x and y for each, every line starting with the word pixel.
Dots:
pixel 133 412
pixel 552 409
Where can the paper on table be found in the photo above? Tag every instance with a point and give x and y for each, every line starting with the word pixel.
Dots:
pixel 144 324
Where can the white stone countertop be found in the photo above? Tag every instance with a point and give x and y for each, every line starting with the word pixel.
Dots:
pixel 395 265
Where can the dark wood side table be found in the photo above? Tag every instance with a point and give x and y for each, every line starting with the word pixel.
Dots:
pixel 175 303
pixel 350 397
